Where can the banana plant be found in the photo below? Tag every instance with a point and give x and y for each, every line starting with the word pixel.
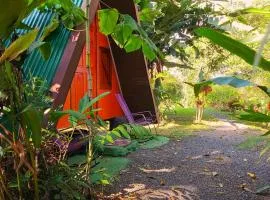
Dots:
pixel 86 116
pixel 202 88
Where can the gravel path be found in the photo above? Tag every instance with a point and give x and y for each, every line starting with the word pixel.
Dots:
pixel 207 167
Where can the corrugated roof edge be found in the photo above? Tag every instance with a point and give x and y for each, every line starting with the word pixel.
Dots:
pixel 35 65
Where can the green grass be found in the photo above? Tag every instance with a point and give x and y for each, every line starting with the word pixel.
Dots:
pixel 235 116
pixel 180 123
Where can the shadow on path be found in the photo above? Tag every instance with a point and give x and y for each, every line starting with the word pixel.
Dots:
pixel 207 167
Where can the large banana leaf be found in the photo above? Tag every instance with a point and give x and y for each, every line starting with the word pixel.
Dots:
pixel 233 46
pixel 19 46
pixel 226 80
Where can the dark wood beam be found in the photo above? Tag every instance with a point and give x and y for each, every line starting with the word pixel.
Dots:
pixel 70 59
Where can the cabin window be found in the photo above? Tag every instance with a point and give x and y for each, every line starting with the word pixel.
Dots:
pixel 105 80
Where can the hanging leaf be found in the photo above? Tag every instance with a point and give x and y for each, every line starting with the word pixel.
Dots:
pixel 232 81
pixel 45 50
pixel 148 51
pixel 133 44
pixel 121 34
pixel 19 46
pixel 233 46
pixel 107 20
pixel 128 20
pixel 53 25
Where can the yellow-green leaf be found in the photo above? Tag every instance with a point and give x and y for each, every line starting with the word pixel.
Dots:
pixel 19 46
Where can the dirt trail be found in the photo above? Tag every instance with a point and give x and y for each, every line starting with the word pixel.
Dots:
pixel 207 167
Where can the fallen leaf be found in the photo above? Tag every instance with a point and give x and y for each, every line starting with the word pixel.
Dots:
pixel 243 185
pixel 214 173
pixel 162 182
pixel 219 158
pixel 245 188
pixel 252 175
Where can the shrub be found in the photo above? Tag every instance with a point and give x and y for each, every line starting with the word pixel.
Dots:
pixel 224 98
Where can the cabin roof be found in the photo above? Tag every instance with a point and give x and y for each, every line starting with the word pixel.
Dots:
pixel 35 65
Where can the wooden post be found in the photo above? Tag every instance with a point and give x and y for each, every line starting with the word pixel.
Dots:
pixel 88 49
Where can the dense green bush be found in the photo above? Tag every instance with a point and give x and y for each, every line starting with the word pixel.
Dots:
pixel 224 98
pixel 168 91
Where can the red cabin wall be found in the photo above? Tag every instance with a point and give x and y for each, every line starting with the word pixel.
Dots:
pixel 104 79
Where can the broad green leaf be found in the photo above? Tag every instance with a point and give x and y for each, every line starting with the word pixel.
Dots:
pixel 115 133
pixel 129 21
pixel 233 46
pixel 45 50
pixel 53 25
pixel 109 138
pixel 121 34
pixel 226 80
pixel 107 20
pixel 123 131
pixel 134 43
pixel 148 51
pixel 33 122
pixel 232 81
pixel 19 46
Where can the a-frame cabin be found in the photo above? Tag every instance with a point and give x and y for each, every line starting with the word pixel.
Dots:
pixel 112 68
